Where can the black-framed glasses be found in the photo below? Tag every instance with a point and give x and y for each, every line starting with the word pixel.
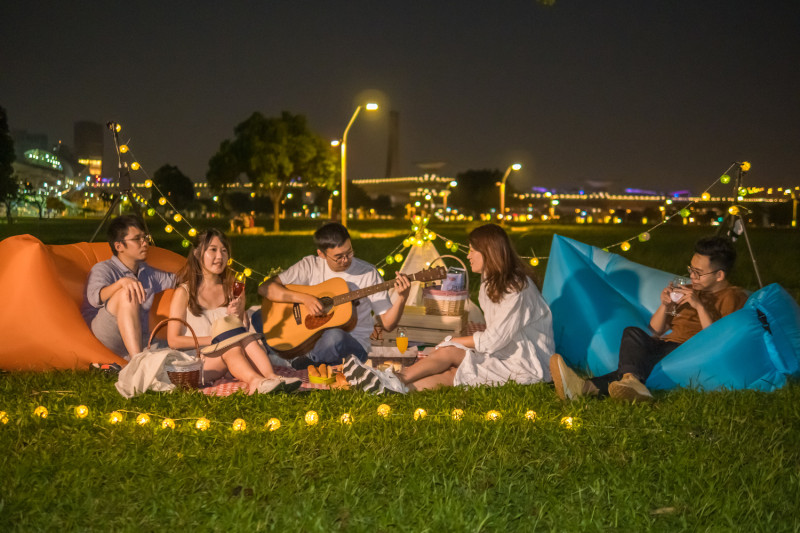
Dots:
pixel 693 272
pixel 141 239
pixel 342 257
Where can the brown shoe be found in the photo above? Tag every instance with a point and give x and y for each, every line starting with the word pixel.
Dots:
pixel 568 384
pixel 629 389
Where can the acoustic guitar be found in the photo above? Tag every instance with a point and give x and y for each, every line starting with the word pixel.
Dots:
pixel 291 330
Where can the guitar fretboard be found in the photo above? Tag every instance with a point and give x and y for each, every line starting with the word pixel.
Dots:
pixel 424 275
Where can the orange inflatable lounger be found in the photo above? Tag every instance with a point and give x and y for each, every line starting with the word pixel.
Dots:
pixel 42 288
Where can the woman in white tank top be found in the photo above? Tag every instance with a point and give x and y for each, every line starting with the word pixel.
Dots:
pixel 204 296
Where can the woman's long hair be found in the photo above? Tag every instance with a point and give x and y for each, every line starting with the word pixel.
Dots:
pixel 503 269
pixel 192 271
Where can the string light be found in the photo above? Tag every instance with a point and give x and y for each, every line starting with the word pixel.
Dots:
pixel 239 425
pixel 162 201
pixel 143 419
pixel 346 419
pixel 457 414
pixel 644 237
pixel 493 415
pixel 168 423
pixel 3 417
pixel 202 424
pixel 530 414
pixel 569 422
pixel 273 424
pixel 177 217
pixel 135 165
pixel 81 411
pixel 384 410
pixel 311 418
pixel 625 246
pixel 168 228
pixel 115 417
pixel 123 148
pixel 192 232
pixel 398 257
pixel 534 261
pixel 40 411
pixel 148 183
pixel 420 413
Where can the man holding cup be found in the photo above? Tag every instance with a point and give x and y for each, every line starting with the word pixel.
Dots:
pixel 684 311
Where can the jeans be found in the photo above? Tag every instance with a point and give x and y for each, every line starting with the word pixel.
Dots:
pixel 639 352
pixel 334 345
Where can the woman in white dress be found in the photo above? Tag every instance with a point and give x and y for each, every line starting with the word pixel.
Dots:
pixel 518 340
pixel 205 296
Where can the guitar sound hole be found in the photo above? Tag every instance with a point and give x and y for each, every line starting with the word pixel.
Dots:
pixel 314 322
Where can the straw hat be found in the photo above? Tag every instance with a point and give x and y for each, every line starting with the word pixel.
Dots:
pixel 225 332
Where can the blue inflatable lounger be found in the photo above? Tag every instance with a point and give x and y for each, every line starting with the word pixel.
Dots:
pixel 594 295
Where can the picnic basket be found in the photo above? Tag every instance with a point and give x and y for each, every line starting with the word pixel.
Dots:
pixel 446 303
pixel 183 374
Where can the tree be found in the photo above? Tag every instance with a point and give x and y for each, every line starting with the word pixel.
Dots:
pixel 271 153
pixel 36 196
pixel 177 187
pixel 9 188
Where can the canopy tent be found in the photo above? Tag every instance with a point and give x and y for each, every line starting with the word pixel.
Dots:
pixel 43 288
pixel 594 295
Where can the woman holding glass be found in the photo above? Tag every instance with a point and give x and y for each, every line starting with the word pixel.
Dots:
pixel 206 295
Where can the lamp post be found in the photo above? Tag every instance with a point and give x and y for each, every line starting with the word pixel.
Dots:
pixel 370 107
pixel 515 166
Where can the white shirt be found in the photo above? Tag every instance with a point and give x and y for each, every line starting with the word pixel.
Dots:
pixel 313 270
pixel 517 343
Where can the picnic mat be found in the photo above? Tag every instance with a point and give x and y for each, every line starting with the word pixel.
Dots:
pixel 226 387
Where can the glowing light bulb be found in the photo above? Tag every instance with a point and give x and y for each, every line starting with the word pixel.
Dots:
pixel 733 210
pixel 143 419
pixel 381 272
pixel 745 166
pixel 389 260
pixel 151 212
pixel 454 248
pixel 247 272
pixel 162 201
pixel 3 417
pixel 123 148
pixel 168 228
pixel 81 411
pixel 239 425
pixel 705 196
pixel 530 415
pixel 448 244
pixel 420 413
pixel 185 243
pixel 346 419
pixel 311 418
pixel 148 183
pixel 118 128
pixel 493 415
pixel 168 423
pixel 115 417
pixel 725 179
pixel 457 414
pixel 192 232
pixel 569 422
pixel 625 246
pixel 398 258
pixel 384 410
pixel 685 212
pixel 40 411
pixel 406 243
pixel 202 424
pixel 177 217
pixel 230 261
pixel 135 165
pixel 273 424
pixel 534 261
pixel 644 237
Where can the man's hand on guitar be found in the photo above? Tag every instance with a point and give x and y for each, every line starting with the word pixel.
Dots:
pixel 313 305
pixel 401 285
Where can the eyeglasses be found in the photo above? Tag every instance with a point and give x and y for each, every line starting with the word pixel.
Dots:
pixel 694 273
pixel 141 239
pixel 342 257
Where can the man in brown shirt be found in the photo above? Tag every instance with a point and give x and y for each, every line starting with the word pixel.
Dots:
pixel 710 297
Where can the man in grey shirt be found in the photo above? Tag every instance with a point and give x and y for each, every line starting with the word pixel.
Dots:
pixel 120 291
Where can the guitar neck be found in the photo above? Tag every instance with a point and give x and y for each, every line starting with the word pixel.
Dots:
pixel 361 293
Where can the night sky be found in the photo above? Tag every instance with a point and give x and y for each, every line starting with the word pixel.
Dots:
pixel 642 93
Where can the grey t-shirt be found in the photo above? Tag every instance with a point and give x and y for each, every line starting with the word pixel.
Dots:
pixel 107 272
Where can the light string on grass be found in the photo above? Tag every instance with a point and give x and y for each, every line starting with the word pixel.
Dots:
pixel 310 418
pixel 685 212
pixel 177 217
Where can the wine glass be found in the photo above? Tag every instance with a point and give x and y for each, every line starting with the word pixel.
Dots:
pixel 401 340
pixel 238 285
pixel 675 296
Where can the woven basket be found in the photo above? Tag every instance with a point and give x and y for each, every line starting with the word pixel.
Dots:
pixel 183 374
pixel 446 303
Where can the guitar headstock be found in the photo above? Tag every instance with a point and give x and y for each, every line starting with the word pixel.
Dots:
pixel 431 274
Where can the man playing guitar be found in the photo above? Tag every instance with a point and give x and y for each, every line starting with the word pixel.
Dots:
pixel 335 259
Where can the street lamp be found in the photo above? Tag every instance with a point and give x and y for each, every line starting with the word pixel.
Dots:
pixel 370 107
pixel 515 166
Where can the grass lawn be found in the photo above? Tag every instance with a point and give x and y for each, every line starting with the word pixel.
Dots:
pixel 691 461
